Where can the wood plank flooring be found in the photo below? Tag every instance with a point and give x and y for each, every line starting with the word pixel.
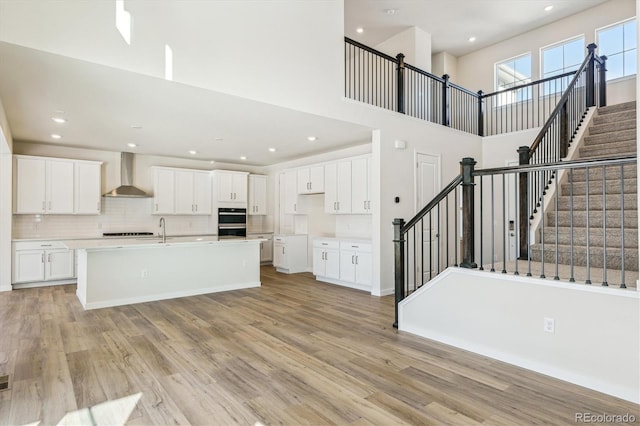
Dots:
pixel 295 351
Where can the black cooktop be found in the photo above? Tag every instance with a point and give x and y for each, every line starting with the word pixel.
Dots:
pixel 126 234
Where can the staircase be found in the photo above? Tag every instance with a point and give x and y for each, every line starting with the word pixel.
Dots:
pixel 611 134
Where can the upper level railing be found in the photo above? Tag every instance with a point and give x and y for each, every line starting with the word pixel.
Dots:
pixel 388 82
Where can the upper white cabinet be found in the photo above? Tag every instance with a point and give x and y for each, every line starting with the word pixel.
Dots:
pixel 337 187
pixel 310 180
pixel 87 184
pixel 56 186
pixel 257 195
pixel 290 192
pixel 230 187
pixel 360 186
pixel 163 191
pixel 181 191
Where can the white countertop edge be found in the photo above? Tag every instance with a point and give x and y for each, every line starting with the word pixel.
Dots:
pixel 106 245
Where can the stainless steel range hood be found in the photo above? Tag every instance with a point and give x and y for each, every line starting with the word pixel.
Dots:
pixel 126 188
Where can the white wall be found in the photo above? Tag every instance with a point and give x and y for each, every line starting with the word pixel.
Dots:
pixel 291 43
pixel 476 70
pixel 6 163
pixel 596 342
pixel 414 43
pixel 445 63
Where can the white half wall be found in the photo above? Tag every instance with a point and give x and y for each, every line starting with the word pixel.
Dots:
pixel 6 166
pixel 596 338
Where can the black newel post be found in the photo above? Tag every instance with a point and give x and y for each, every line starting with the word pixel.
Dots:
pixel 398 248
pixel 400 82
pixel 590 83
pixel 602 84
pixel 446 101
pixel 468 230
pixel 480 113
pixel 564 131
pixel 523 211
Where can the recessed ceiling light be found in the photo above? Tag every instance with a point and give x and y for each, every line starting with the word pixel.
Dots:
pixel 359 30
pixel 472 39
pixel 391 11
pixel 192 152
pixel 243 158
pixel 136 126
pixel 211 162
pixel 272 150
pixel 312 138
pixel 131 145
pixel 59 120
pixel 56 136
pixel 548 8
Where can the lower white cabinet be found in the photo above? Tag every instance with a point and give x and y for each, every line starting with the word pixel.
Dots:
pixel 290 253
pixel 344 262
pixel 266 247
pixel 41 261
pixel 326 258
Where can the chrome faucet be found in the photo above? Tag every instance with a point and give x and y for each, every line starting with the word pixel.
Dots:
pixel 164 230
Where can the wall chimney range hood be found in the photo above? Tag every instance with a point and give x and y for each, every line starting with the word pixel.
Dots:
pixel 126 188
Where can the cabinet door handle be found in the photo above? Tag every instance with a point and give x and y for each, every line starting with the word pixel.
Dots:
pixel 365 205
pixel 282 249
pixel 49 205
pixel 295 207
pixel 334 206
pixel 46 245
pixel 338 206
pixel 98 205
pixel 369 205
pixel 44 205
pixel 49 258
pixel 356 260
pixel 156 206
pixel 196 207
pixel 352 259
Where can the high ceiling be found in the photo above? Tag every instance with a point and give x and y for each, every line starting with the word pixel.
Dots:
pixel 452 22
pixel 103 102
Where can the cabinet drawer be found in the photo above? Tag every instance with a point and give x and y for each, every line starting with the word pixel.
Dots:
pixel 327 244
pixel 355 245
pixel 38 245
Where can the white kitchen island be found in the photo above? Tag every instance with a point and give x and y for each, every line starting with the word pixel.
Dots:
pixel 122 272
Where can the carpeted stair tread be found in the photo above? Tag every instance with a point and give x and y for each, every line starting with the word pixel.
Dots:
pixel 596 236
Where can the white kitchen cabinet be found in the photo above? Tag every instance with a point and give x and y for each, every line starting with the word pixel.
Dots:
pixel 257 195
pixel 326 258
pixel 181 191
pixel 290 253
pixel 337 187
pixel 42 261
pixel 290 192
pixel 266 247
pixel 230 187
pixel 163 191
pixel 87 194
pixel 360 186
pixel 310 180
pixel 43 185
pixel 356 265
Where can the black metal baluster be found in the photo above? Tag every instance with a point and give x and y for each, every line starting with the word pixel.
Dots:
pixel 493 255
pixel 604 229
pixel 481 267
pixel 446 227
pixel 542 230
pixel 438 237
pixel 430 246
pixel 588 280
pixel 622 283
pixel 504 225
pixel 422 251
pixel 455 229
pixel 529 175
pixel 571 278
pixel 556 277
pixel 516 226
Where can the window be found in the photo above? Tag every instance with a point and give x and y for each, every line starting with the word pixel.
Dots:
pixel 619 43
pixel 563 57
pixel 513 72
pixel 510 73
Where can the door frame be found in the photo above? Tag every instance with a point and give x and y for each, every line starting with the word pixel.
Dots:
pixel 416 177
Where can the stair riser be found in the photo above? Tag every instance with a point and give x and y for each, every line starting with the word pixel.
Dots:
pixel 595 188
pixel 613 126
pixel 614 219
pixel 580 239
pixel 596 259
pixel 627 147
pixel 611 109
pixel 611 173
pixel 615 117
pixel 613 202
pixel 612 137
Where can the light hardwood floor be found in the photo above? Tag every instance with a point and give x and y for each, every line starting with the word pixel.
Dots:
pixel 294 351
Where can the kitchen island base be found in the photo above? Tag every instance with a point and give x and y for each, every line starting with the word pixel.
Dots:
pixel 113 276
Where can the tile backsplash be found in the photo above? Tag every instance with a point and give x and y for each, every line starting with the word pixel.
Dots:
pixel 118 215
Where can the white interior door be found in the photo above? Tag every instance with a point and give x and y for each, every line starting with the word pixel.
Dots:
pixel 427 187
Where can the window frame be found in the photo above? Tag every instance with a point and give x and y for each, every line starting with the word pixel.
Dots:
pixel 562 43
pixel 512 58
pixel 615 24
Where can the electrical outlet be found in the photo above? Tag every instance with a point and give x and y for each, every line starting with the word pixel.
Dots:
pixel 144 273
pixel 549 325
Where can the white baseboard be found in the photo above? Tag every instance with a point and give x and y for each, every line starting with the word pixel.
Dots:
pixel 343 283
pixel 44 284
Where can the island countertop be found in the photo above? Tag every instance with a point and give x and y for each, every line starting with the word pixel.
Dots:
pixel 149 242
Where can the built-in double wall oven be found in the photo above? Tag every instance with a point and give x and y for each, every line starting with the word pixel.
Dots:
pixel 232 223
